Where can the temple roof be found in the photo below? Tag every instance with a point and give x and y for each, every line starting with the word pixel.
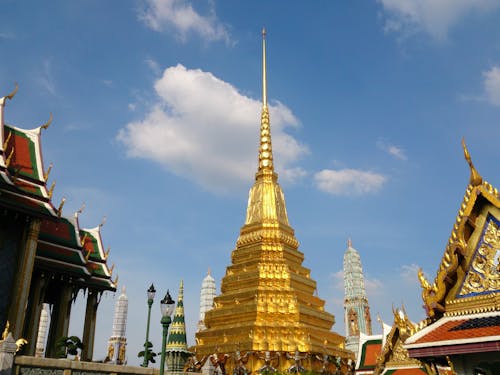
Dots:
pixel 22 179
pixel 468 277
pixel 370 347
pixel 472 333
pixel 463 303
pixel 62 246
pixel 394 358
pixel 404 371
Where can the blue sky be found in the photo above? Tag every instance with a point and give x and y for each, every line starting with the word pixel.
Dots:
pixel 156 116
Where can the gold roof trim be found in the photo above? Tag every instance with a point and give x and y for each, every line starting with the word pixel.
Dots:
pixel 434 294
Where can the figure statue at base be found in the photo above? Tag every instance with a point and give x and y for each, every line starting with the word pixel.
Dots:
pixel 297 366
pixel 240 362
pixel 219 363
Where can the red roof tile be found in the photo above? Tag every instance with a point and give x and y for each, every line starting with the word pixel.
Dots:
pixel 451 331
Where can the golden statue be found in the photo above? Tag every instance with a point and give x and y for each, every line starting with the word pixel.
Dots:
pixel 6 330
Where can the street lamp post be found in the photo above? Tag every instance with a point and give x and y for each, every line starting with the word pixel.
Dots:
pixel 167 305
pixel 151 296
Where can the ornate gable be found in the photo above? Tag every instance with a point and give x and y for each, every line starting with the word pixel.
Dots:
pixel 468 279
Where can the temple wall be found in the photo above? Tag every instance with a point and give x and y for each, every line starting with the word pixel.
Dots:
pixel 24 365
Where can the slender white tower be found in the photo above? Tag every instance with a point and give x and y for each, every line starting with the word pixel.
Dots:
pixel 356 309
pixel 117 344
pixel 207 295
pixel 42 331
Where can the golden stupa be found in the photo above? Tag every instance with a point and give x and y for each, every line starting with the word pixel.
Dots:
pixel 267 301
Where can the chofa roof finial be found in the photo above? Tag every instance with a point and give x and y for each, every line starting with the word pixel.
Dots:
pixel 13 93
pixel 475 177
pixel 46 125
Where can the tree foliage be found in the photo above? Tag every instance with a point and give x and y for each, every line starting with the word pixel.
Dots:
pixel 68 345
pixel 151 355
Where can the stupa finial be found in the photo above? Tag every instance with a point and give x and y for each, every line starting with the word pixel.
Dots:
pixel 349 242
pixel 265 149
pixel 264 73
pixel 181 291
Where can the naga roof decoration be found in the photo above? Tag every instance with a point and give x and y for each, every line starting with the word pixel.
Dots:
pixel 394 358
pixel 23 188
pixel 468 278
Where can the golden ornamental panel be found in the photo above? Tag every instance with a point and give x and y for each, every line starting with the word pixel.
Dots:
pixel 484 271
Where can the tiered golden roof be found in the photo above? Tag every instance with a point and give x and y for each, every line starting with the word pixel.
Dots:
pixel 267 300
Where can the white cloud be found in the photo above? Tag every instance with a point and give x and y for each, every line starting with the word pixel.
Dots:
pixel 338 280
pixel 492 85
pixel 7 35
pixel 293 174
pixel 153 65
pixel 391 149
pixel 202 128
pixel 409 273
pixel 107 82
pixel 435 17
pixel 374 287
pixel 348 181
pixel 46 79
pixel 179 15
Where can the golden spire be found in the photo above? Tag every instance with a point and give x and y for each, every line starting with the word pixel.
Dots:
pixel 475 177
pixel 264 75
pixel 266 202
pixel 265 149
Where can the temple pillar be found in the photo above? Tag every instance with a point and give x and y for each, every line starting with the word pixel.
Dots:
pixel 35 307
pixel 21 283
pixel 59 319
pixel 89 327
